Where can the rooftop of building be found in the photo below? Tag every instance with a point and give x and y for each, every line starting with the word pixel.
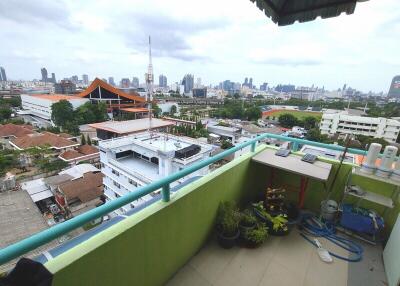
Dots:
pixel 80 152
pixel 55 97
pixel 78 171
pixel 42 139
pixel 86 188
pixel 15 130
pixel 155 141
pixel 135 109
pixel 132 126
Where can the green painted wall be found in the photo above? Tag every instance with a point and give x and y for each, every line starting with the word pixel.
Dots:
pixel 149 247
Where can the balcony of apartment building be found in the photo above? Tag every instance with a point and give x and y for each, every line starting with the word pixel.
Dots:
pixel 172 241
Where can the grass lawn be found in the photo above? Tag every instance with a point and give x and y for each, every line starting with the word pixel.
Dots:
pixel 297 113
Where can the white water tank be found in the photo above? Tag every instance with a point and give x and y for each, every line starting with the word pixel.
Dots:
pixel 373 152
pixel 396 172
pixel 388 157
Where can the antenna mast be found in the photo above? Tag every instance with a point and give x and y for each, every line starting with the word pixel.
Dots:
pixel 149 83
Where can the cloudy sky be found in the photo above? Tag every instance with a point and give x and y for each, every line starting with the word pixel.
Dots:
pixel 212 39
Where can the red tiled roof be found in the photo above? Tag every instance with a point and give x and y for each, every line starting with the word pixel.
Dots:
pixel 66 135
pixel 135 109
pixel 56 97
pixel 42 139
pixel 81 151
pixel 15 130
pixel 87 188
pixel 98 82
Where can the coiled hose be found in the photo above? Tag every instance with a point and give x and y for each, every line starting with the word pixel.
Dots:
pixel 311 225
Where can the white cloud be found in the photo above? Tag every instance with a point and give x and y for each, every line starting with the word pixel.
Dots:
pixel 215 40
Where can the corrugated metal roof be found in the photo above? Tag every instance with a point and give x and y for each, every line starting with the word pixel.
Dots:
pixel 286 12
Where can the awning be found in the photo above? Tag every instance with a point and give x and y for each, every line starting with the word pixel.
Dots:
pixel 286 12
pixel 41 196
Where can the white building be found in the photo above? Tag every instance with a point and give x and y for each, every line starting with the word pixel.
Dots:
pixel 40 105
pixel 377 127
pixel 136 160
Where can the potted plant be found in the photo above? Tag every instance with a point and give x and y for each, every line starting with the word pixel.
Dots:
pixel 277 225
pixel 256 236
pixel 227 224
pixel 248 221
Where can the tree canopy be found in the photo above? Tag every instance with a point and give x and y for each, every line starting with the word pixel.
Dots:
pixel 62 113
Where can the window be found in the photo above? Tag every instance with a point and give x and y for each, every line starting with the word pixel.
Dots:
pixel 115 172
pixel 132 182
pixel 116 184
pixel 102 165
pixel 116 195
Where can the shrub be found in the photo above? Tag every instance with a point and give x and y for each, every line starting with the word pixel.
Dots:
pixel 228 218
pixel 257 235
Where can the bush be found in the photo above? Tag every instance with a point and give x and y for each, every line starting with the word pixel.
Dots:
pixel 247 218
pixel 228 218
pixel 257 235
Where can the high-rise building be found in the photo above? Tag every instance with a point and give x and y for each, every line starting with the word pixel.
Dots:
pixel 44 74
pixel 198 82
pixel 162 80
pixel 125 83
pixel 394 90
pixel 188 82
pixel 53 78
pixel 264 86
pixel 246 82
pixel 251 82
pixel 111 80
pixel 147 159
pixel 65 87
pixel 135 82
pixel 3 76
pixel 85 79
pixel 227 85
pixel 74 79
pixel 200 92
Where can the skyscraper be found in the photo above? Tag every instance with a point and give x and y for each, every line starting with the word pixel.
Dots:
pixel 53 78
pixel 85 79
pixel 246 82
pixel 188 82
pixel 394 90
pixel 264 86
pixel 75 79
pixel 3 76
pixel 125 83
pixel 162 80
pixel 135 82
pixel 44 74
pixel 111 80
pixel 251 82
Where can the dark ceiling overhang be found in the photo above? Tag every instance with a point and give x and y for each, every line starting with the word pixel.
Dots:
pixel 286 12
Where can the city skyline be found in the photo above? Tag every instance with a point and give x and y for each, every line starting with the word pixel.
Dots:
pixel 209 44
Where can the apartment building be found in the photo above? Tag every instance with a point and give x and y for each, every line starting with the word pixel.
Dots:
pixel 136 160
pixel 377 127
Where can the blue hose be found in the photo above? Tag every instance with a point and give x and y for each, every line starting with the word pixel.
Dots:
pixel 311 225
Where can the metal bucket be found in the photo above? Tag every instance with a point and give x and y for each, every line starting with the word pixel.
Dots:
pixel 329 209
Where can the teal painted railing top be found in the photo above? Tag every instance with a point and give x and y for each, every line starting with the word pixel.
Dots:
pixel 19 248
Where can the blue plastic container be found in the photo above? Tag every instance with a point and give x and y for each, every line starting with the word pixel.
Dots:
pixel 360 222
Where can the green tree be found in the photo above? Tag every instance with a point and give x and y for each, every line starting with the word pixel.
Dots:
pixel 89 141
pixel 156 109
pixel 314 134
pixel 309 122
pixel 62 113
pixel 253 113
pixel 173 110
pixel 83 140
pixel 288 120
pixel 5 113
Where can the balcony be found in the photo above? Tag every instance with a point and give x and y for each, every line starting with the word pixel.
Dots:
pixel 172 240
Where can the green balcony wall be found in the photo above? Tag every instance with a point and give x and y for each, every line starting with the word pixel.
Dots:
pixel 150 246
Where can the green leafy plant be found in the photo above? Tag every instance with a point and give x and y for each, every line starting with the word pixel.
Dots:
pixel 278 222
pixel 257 235
pixel 247 218
pixel 228 218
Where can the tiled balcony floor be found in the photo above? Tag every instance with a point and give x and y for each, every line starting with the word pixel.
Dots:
pixel 289 260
